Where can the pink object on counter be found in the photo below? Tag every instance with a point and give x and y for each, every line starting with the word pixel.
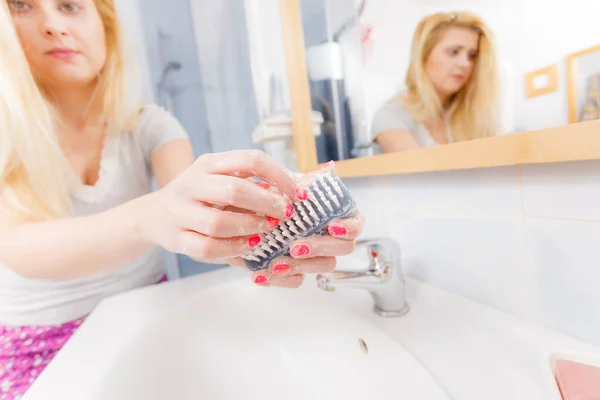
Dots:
pixel 577 381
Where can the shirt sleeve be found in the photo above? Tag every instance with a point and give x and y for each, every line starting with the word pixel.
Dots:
pixel 391 116
pixel 157 127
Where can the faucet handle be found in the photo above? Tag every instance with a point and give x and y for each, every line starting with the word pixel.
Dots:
pixel 381 252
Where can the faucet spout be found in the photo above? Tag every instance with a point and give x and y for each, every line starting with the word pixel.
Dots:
pixel 382 277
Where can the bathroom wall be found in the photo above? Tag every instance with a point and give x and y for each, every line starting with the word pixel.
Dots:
pixel 525 240
pixel 223 51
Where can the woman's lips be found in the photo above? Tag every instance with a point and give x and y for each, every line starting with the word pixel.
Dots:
pixel 62 54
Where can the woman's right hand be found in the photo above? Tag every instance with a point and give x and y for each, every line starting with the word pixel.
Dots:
pixel 188 215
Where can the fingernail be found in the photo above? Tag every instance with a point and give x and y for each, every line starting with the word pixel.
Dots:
pixel 260 280
pixel 337 230
pixel 263 185
pixel 289 211
pixel 273 222
pixel 327 165
pixel 300 250
pixel 253 241
pixel 281 268
pixel 301 193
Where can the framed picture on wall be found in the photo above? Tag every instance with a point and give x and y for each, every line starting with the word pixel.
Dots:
pixel 583 75
pixel 541 81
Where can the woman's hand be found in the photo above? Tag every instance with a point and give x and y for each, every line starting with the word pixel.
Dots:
pixel 316 254
pixel 196 215
pixel 213 212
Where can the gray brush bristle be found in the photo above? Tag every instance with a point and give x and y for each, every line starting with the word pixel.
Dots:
pixel 328 199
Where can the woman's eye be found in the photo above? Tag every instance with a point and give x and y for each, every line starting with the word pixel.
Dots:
pixel 69 7
pixel 17 5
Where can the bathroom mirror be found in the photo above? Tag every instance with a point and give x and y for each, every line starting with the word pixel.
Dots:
pixel 357 54
pixel 304 79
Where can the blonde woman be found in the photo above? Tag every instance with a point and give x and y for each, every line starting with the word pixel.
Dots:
pixel 451 90
pixel 78 221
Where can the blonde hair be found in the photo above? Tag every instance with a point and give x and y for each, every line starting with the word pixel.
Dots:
pixel 118 84
pixel 32 166
pixel 31 175
pixel 474 109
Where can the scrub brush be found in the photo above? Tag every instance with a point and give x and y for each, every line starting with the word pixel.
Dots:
pixel 328 199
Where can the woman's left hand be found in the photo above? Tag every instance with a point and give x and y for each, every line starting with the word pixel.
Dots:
pixel 314 254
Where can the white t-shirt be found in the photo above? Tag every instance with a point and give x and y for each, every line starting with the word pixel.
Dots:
pixel 125 174
pixel 393 116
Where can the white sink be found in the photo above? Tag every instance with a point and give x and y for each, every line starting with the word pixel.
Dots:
pixel 232 340
pixel 216 336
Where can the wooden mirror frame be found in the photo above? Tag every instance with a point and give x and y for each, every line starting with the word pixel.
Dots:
pixel 574 142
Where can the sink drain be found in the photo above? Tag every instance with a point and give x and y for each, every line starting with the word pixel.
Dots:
pixel 363 346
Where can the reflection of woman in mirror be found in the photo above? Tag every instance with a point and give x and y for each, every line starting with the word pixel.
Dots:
pixel 451 88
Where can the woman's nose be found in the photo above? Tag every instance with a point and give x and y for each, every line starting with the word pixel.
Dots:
pixel 53 25
pixel 465 62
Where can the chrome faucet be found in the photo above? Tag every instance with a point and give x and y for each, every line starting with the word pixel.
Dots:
pixel 383 277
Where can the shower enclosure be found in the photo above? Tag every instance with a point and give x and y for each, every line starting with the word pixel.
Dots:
pixel 196 54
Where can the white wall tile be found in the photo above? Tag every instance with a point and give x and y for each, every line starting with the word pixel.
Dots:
pixel 562 190
pixel 480 258
pixel 464 231
pixel 372 196
pixel 565 258
pixel 477 190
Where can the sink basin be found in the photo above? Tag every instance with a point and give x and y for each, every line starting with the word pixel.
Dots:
pixel 232 340
pixel 241 341
pixel 216 336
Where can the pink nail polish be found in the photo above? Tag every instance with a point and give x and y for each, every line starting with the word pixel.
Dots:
pixel 327 165
pixel 263 185
pixel 260 280
pixel 281 268
pixel 337 230
pixel 301 193
pixel 290 211
pixel 253 241
pixel 273 222
pixel 300 250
